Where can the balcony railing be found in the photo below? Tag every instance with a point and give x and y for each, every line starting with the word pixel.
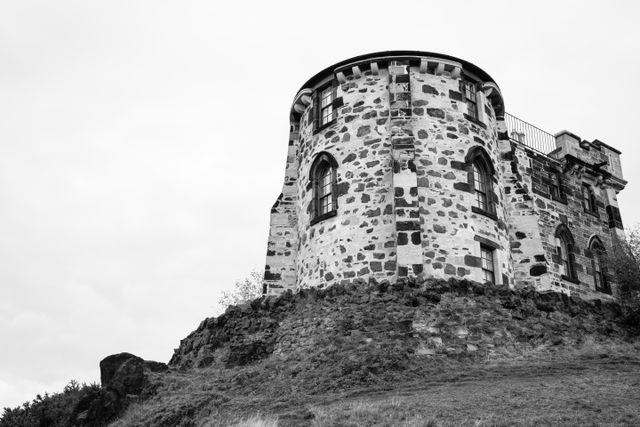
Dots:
pixel 529 135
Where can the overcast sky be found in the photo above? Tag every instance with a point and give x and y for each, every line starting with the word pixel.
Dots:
pixel 142 144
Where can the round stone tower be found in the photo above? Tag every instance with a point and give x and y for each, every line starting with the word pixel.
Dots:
pixel 392 171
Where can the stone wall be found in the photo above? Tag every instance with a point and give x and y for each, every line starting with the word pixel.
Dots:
pixel 412 322
pixel 535 214
pixel 282 245
pixel 359 240
pixel 451 229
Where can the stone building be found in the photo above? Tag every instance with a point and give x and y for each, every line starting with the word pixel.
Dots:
pixel 405 164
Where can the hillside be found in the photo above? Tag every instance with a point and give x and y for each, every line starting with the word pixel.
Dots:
pixel 413 352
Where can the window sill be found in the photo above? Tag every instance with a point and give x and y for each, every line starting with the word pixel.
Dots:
pixel 474 120
pixel 562 200
pixel 324 126
pixel 570 279
pixel 323 217
pixel 488 214
pixel 604 291
pixel 592 213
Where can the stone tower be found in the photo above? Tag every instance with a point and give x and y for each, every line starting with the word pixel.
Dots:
pixel 404 164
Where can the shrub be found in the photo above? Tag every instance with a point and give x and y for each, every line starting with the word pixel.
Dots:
pixel 243 290
pixel 624 260
pixel 53 410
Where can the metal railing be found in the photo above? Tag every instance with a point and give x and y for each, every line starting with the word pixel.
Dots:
pixel 529 135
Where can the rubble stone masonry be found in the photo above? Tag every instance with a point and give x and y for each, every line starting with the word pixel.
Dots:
pixel 404 135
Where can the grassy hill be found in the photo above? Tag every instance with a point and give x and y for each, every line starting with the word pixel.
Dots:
pixel 411 353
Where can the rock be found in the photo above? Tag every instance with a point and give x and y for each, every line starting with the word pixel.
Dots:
pixel 508 302
pixel 123 373
pixel 245 353
pixel 557 340
pixel 205 361
pixel 461 332
pixel 435 342
pixel 97 409
pixel 422 350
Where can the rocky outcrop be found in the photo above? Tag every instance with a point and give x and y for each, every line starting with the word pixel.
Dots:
pixel 124 378
pixel 426 319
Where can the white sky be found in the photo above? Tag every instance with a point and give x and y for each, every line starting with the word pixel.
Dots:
pixel 142 144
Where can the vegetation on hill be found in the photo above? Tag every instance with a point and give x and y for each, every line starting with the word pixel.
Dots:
pixel 50 410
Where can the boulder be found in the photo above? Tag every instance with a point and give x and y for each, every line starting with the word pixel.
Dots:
pixel 123 373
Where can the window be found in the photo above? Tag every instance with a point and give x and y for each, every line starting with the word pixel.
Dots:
pixel 323 187
pixel 482 187
pixel 598 265
pixel 588 199
pixel 562 250
pixel 564 255
pixel 468 90
pixel 324 190
pixel 480 174
pixel 326 105
pixel 323 112
pixel 615 220
pixel 554 187
pixel 486 254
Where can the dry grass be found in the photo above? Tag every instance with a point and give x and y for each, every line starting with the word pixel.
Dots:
pixel 591 385
pixel 252 421
pixel 370 413
pixel 600 394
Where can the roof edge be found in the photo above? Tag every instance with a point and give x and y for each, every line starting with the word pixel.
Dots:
pixel 474 69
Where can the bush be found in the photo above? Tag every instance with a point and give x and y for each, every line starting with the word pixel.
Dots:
pixel 624 260
pixel 243 290
pixel 53 410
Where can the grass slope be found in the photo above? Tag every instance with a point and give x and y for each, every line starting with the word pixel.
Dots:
pixel 593 385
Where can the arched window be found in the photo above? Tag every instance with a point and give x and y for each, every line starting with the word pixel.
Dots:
pixel 599 265
pixel 323 175
pixel 564 252
pixel 481 178
pixel 482 187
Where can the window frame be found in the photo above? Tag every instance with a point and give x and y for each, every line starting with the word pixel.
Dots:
pixel 565 249
pixel 478 160
pixel 324 189
pixel 318 109
pixel 317 184
pixel 482 187
pixel 599 266
pixel 555 188
pixel 589 201
pixel 469 90
pixel 490 262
